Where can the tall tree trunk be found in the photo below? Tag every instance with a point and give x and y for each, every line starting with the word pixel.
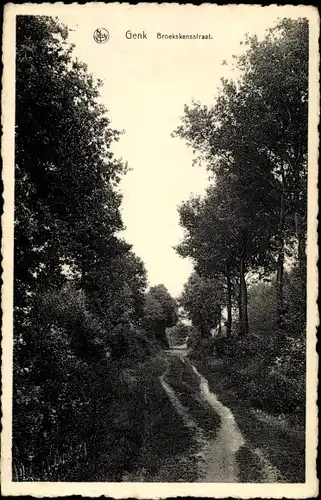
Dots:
pixel 302 249
pixel 244 324
pixel 201 326
pixel 300 217
pixel 239 303
pixel 219 319
pixel 160 335
pixel 229 302
pixel 246 316
pixel 280 263
pixel 300 230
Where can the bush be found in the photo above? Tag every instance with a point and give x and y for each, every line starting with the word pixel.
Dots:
pixel 66 395
pixel 179 334
pixel 267 370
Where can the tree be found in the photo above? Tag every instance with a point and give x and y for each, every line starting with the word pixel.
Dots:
pixel 272 94
pixel 117 291
pixel 79 290
pixel 203 299
pixel 227 233
pixel 262 308
pixel 277 70
pixel 67 208
pixel 178 333
pixel 160 313
pixel 208 242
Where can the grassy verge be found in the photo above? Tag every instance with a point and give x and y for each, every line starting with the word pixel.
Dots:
pixel 281 441
pixel 165 442
pixel 141 435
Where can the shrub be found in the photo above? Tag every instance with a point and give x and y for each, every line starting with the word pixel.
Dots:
pixel 65 396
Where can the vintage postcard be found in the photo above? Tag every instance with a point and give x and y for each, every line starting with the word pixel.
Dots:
pixel 160 250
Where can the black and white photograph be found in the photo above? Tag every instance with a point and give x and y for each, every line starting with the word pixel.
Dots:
pixel 159 250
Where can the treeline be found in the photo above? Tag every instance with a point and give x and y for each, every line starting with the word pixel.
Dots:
pixel 250 228
pixel 82 315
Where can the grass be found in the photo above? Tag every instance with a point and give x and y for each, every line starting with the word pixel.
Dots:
pixel 143 439
pixel 284 446
pixel 182 378
pixel 165 440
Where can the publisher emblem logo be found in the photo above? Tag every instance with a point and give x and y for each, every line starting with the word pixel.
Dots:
pixel 101 35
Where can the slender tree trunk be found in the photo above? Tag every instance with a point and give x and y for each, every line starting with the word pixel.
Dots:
pixel 219 318
pixel 300 190
pixel 300 230
pixel 229 302
pixel 239 305
pixel 205 332
pixel 244 325
pixel 302 253
pixel 302 247
pixel 201 326
pixel 280 264
pixel 246 317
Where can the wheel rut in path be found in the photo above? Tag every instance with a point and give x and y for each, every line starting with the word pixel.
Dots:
pixel 216 433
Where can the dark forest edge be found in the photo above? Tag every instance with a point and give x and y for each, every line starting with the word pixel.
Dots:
pixel 82 316
pixel 88 335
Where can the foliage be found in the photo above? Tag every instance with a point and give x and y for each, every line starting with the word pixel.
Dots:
pixel 267 373
pixel 65 172
pixel 160 312
pixel 227 235
pixel 118 287
pixel 262 301
pixel 262 307
pixel 268 368
pixel 179 333
pixel 257 204
pixel 295 296
pixel 202 299
pixel 79 290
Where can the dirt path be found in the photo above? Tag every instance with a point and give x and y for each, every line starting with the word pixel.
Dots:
pixel 210 441
pixel 217 450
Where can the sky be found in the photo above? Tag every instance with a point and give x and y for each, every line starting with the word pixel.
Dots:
pixel 146 85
